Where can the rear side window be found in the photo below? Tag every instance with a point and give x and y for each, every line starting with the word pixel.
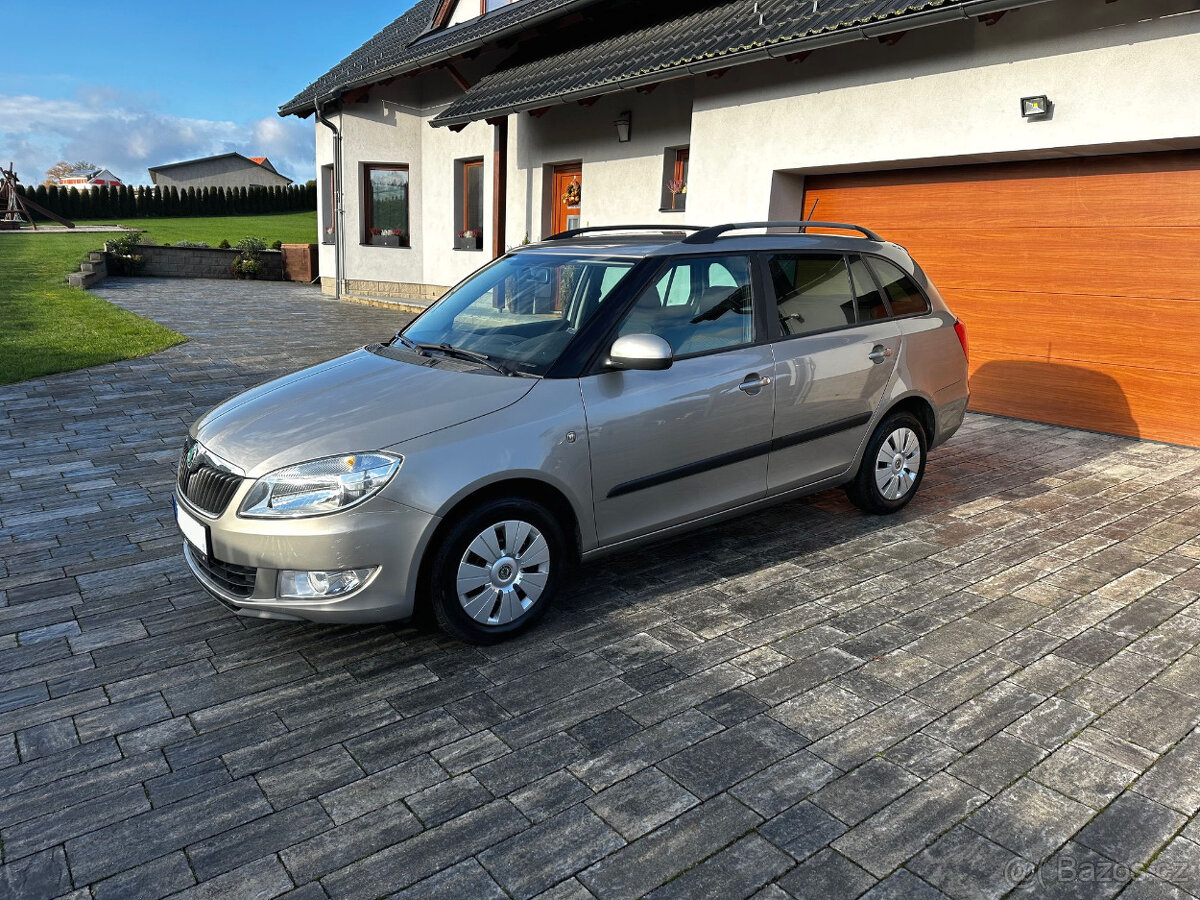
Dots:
pixel 812 292
pixel 906 298
pixel 866 295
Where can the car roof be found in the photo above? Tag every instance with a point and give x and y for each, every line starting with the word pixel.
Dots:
pixel 640 244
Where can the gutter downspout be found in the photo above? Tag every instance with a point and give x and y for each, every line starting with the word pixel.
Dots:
pixel 339 212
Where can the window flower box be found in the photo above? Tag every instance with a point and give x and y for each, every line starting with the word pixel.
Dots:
pixel 388 237
pixel 469 240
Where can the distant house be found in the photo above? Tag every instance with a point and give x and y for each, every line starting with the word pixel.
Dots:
pixel 226 170
pixel 89 178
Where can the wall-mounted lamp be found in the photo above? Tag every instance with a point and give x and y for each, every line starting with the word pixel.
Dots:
pixel 1037 107
pixel 623 125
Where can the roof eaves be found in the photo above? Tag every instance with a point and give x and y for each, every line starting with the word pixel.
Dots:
pixel 742 55
pixel 307 100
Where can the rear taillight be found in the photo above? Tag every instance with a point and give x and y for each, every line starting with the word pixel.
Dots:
pixel 961 330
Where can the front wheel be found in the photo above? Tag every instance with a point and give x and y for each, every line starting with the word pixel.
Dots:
pixel 497 571
pixel 892 466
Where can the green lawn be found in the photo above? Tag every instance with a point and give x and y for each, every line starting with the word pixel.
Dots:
pixel 47 326
pixel 290 228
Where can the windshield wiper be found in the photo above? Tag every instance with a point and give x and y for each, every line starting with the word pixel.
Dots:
pixel 461 353
pixel 399 338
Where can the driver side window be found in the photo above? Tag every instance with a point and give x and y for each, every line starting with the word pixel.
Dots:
pixel 697 305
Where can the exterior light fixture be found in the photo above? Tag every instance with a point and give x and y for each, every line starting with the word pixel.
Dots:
pixel 1037 107
pixel 623 125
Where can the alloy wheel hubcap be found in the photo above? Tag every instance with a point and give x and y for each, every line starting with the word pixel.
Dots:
pixel 503 572
pixel 898 463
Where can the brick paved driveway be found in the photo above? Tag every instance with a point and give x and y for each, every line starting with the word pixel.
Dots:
pixel 1003 680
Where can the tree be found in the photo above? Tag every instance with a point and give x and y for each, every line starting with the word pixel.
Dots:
pixel 56 172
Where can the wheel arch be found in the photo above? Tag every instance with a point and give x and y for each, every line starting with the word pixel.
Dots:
pixel 921 407
pixel 519 488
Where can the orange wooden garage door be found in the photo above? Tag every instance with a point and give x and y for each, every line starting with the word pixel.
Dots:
pixel 1078 280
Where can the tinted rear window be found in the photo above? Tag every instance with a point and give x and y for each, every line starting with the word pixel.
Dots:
pixel 812 292
pixel 906 298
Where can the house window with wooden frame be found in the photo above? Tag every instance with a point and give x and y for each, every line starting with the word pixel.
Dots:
pixel 385 205
pixel 468 204
pixel 328 205
pixel 486 6
pixel 675 179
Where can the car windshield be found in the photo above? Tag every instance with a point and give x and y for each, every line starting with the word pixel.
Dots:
pixel 522 311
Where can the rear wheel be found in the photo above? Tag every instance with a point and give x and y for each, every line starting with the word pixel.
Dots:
pixel 892 465
pixel 497 571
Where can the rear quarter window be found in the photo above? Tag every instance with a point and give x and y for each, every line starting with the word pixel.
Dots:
pixel 902 292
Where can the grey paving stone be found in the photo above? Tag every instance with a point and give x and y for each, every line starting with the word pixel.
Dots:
pixel 47 739
pixel 263 836
pixel 59 825
pixel 997 762
pixel 309 776
pixel 641 803
pixel 402 740
pixel 523 766
pixel 381 788
pixel 826 874
pixel 540 857
pixel 643 749
pixel 1171 781
pixel 922 755
pixel 908 824
pixel 38 877
pixel 737 871
pixel 263 879
pixel 1154 718
pixel 1086 777
pixel 965 864
pixel 465 879
pixel 664 853
pixel 434 849
pixel 151 834
pixel 604 730
pixel 802 830
pixel 822 710
pixel 549 795
pixel 718 762
pixel 903 885
pixel 1131 829
pixel 338 847
pixel 785 784
pixel 865 790
pixel 874 733
pixel 148 881
pixel 1029 819
pixel 1078 872
pixel 448 800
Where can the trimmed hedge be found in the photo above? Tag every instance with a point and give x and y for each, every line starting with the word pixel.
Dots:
pixel 125 202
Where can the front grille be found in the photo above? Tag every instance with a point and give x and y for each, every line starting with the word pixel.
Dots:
pixel 237 581
pixel 206 487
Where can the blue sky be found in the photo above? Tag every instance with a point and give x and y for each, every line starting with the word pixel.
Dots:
pixel 141 83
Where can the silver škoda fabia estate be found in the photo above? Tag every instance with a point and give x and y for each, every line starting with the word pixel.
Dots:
pixel 575 397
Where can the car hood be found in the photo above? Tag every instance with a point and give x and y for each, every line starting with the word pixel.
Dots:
pixel 356 402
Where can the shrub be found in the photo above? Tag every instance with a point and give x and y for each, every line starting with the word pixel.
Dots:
pixel 196 245
pixel 124 258
pixel 247 264
pixel 224 245
pixel 276 245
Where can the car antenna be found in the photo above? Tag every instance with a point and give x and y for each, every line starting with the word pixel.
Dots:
pixel 804 228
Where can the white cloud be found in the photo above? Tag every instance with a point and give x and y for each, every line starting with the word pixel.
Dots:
pixel 127 134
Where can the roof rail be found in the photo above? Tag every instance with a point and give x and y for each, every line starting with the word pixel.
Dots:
pixel 708 235
pixel 664 229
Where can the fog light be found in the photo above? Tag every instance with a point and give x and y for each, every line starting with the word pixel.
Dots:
pixel 321 585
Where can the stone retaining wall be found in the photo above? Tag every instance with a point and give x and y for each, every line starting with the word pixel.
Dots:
pixel 200 262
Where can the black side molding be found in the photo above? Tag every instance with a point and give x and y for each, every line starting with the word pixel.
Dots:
pixel 736 456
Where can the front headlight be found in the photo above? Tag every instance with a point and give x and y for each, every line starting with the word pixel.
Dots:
pixel 319 487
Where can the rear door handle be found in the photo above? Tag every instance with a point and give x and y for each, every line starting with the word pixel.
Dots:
pixel 754 383
pixel 879 353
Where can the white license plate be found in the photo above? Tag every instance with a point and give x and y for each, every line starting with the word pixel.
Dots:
pixel 195 531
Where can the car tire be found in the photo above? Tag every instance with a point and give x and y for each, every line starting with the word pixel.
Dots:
pixel 497 570
pixel 892 467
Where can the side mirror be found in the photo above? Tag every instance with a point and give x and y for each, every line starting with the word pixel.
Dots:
pixel 640 351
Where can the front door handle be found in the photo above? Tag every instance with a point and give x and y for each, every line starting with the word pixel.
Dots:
pixel 754 383
pixel 879 353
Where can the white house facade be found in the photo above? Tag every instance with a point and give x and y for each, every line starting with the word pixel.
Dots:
pixel 1041 159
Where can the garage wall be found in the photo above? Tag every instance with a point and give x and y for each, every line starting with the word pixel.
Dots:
pixel 1116 71
pixel 1078 280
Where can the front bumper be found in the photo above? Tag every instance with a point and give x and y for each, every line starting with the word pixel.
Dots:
pixel 379 533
